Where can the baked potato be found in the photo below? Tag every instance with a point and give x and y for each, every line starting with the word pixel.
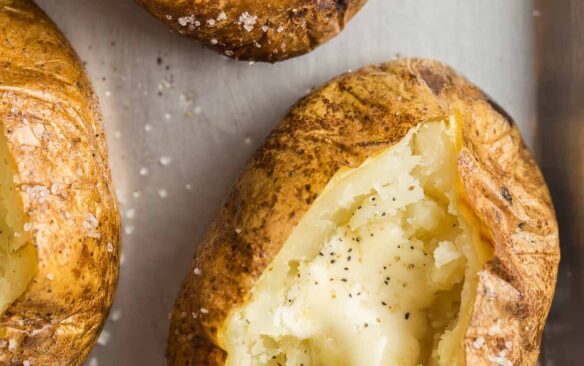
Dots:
pixel 59 221
pixel 271 30
pixel 394 217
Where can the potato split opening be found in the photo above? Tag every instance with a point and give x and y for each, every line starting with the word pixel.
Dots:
pixel 18 259
pixel 382 269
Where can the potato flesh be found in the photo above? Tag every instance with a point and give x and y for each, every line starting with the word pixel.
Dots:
pixel 376 271
pixel 18 261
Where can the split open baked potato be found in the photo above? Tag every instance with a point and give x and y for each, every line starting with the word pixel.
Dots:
pixel 59 221
pixel 271 30
pixel 394 217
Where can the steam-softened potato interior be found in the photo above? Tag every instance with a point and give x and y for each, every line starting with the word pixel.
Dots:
pixel 381 270
pixel 18 261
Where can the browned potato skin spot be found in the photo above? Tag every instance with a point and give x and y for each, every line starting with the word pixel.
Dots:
pixel 57 322
pixel 340 125
pixel 306 24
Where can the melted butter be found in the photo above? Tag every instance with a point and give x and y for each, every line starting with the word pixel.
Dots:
pixel 373 273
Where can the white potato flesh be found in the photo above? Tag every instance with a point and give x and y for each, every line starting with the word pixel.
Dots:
pixel 18 261
pixel 380 271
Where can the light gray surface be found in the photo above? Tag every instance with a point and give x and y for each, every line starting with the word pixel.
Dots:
pixel 213 113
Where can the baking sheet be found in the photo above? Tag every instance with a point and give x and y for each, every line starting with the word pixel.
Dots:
pixel 182 121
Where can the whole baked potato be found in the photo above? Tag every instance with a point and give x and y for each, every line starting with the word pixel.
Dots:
pixel 394 217
pixel 59 221
pixel 269 30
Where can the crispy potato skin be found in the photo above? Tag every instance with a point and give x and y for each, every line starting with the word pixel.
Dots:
pixel 340 125
pixel 63 177
pixel 234 27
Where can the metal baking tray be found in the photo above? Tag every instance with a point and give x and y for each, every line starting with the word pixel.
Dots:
pixel 182 121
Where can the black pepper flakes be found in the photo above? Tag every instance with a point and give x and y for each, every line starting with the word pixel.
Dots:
pixel 506 195
pixel 407 316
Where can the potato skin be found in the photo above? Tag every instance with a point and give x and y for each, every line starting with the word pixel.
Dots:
pixel 340 125
pixel 56 139
pixel 237 28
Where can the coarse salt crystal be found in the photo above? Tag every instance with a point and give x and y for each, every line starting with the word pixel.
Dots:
pixel 38 193
pixel 498 360
pixel 204 311
pixel 104 338
pixel 90 225
pixel 90 222
pixel 184 21
pixel 162 193
pixel 165 160
pixel 50 276
pixel 144 171
pixel 197 271
pixel 222 16
pixel 248 21
pixel 147 128
pixel 55 188
pixel 131 213
pixel 116 315
pixel 109 247
pixel 12 344
pixel 478 343
pixel 129 229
